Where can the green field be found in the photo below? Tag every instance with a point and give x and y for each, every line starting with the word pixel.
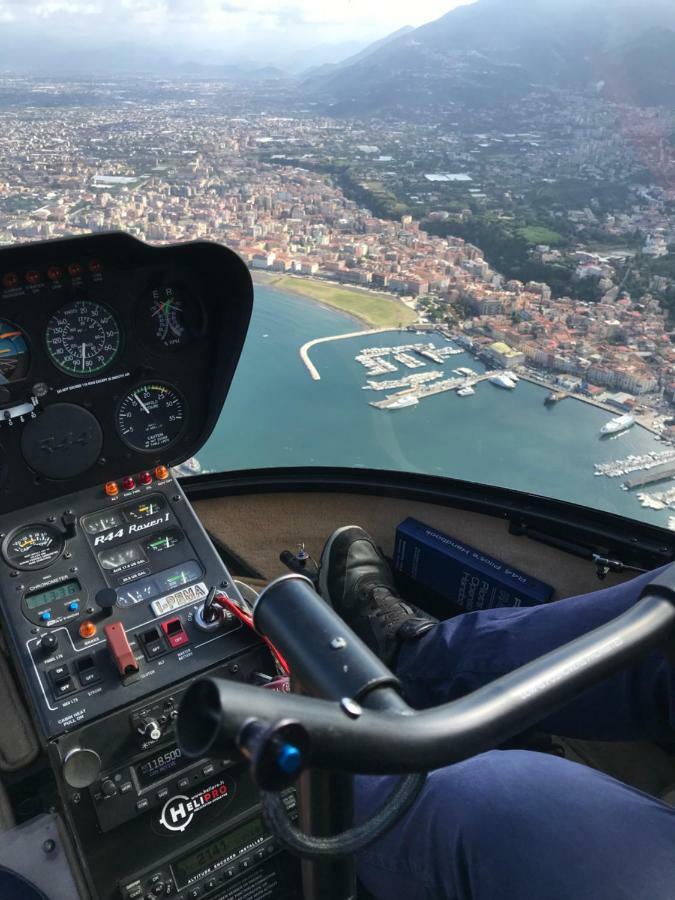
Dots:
pixel 537 234
pixel 375 310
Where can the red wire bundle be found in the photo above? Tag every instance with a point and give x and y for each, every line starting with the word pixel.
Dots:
pixel 224 601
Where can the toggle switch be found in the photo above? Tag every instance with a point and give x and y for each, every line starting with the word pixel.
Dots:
pixel 175 633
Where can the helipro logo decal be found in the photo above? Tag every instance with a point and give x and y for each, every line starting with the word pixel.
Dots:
pixel 179 811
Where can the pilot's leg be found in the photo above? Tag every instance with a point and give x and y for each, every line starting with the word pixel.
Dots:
pixel 515 825
pixel 437 662
pixel 458 656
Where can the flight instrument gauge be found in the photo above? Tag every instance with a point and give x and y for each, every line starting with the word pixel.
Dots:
pixel 33 547
pixel 83 338
pixel 151 417
pixel 169 318
pixel 14 356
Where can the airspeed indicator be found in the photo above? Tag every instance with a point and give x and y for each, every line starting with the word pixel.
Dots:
pixel 151 417
pixel 82 338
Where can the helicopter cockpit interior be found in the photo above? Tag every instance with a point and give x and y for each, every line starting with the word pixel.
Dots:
pixel 146 710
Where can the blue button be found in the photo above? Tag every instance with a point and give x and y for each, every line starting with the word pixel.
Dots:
pixel 73 607
pixel 45 616
pixel 289 759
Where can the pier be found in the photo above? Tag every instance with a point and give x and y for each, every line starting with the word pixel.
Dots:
pixel 661 473
pixel 304 350
pixel 417 393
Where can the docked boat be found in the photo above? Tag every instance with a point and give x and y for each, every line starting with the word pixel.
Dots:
pixel 465 391
pixel 502 380
pixel 554 397
pixel 403 402
pixel 620 423
pixel 191 466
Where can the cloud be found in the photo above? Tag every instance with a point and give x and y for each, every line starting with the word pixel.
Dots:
pixel 388 13
pixel 57 8
pixel 291 33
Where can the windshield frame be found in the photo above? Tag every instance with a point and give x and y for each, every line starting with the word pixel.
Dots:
pixel 544 519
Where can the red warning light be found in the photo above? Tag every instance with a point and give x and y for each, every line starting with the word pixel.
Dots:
pixel 55 273
pixel 95 266
pixel 32 276
pixel 75 270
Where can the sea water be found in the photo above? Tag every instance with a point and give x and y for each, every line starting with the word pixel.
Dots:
pixel 276 416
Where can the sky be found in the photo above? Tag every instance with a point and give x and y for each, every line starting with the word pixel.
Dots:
pixel 257 28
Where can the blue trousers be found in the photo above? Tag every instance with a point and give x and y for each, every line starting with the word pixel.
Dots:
pixel 517 825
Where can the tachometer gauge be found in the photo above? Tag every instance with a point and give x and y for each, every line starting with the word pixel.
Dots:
pixel 14 356
pixel 83 338
pixel 33 547
pixel 169 318
pixel 151 417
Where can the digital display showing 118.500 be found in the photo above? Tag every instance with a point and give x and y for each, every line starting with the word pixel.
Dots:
pixel 156 767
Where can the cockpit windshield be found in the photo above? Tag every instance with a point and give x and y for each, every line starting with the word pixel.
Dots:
pixel 459 219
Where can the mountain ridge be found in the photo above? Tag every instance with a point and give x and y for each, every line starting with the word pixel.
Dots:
pixel 496 51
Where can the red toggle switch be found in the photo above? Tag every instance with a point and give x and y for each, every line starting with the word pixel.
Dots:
pixel 119 648
pixel 175 633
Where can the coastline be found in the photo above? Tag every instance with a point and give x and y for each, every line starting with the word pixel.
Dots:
pixel 385 310
pixel 286 283
pixel 610 410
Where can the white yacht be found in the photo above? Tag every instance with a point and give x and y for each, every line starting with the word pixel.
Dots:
pixel 403 402
pixel 502 380
pixel 620 423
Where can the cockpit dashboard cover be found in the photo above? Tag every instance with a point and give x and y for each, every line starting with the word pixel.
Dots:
pixel 115 357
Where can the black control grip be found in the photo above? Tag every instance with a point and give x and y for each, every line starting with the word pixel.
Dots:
pixel 213 710
pixel 324 654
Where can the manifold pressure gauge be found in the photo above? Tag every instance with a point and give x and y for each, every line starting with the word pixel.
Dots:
pixel 151 417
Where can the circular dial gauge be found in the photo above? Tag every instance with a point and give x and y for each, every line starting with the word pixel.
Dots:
pixel 83 338
pixel 151 417
pixel 14 356
pixel 33 547
pixel 170 319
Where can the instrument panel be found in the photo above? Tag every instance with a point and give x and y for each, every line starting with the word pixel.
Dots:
pixel 115 357
pixel 115 361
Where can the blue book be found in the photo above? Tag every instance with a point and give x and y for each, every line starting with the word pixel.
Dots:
pixel 461 574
